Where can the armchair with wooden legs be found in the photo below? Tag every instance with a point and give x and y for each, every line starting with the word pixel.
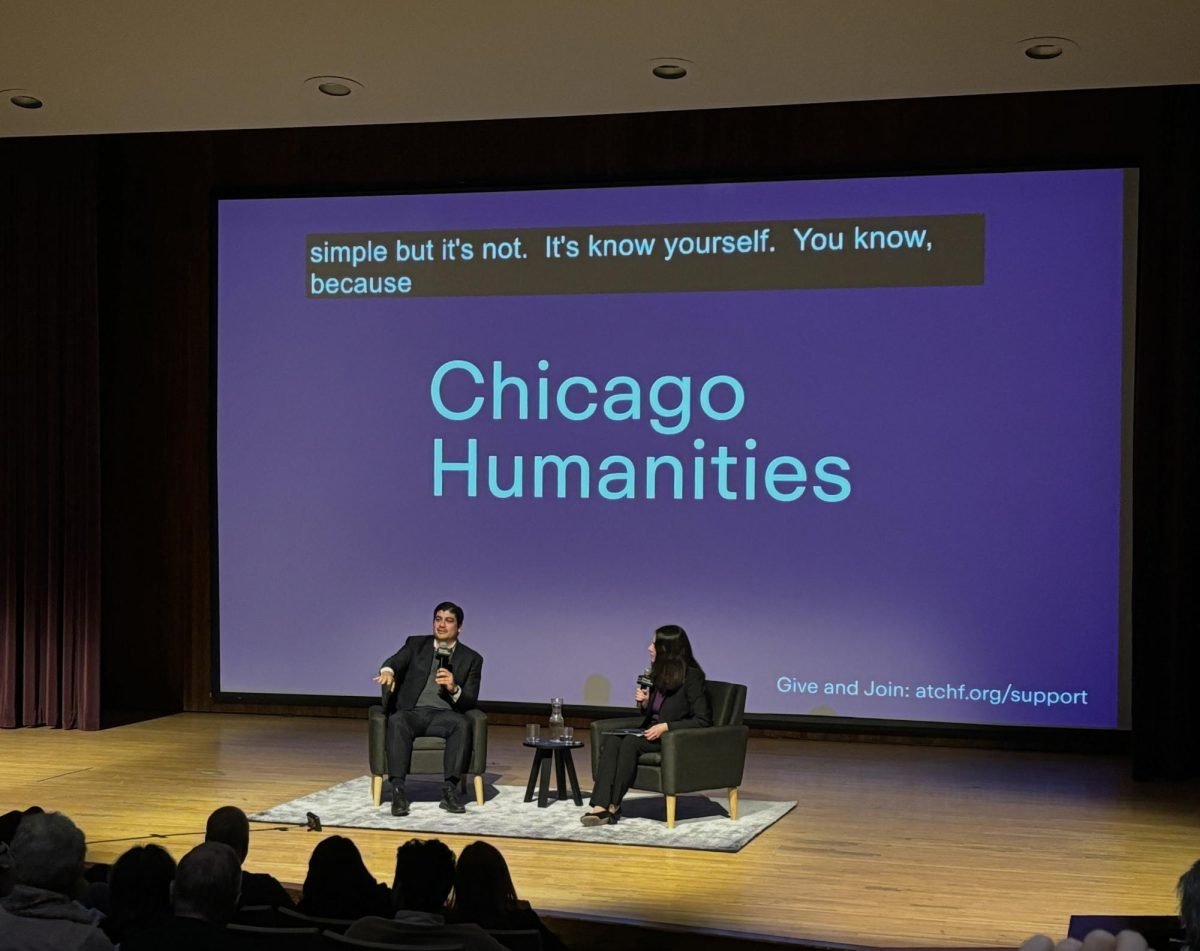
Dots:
pixel 428 751
pixel 692 760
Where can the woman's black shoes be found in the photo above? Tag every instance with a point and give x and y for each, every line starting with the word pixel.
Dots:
pixel 604 818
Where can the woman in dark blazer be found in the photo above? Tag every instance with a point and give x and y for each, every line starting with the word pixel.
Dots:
pixel 676 701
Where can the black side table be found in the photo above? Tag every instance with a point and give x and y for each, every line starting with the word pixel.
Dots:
pixel 560 752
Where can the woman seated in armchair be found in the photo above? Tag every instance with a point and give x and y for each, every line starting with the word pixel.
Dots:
pixel 677 700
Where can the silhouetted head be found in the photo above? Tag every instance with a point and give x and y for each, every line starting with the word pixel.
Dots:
pixel 139 886
pixel 338 884
pixel 483 886
pixel 424 875
pixel 230 826
pixel 207 883
pixel 47 852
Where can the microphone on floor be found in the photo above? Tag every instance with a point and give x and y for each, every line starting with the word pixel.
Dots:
pixel 313 821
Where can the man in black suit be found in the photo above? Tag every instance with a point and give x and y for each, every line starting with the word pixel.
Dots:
pixel 437 680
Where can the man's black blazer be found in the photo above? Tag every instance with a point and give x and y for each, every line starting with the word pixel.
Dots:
pixel 411 666
pixel 686 707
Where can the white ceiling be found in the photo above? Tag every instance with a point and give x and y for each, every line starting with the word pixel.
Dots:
pixel 157 65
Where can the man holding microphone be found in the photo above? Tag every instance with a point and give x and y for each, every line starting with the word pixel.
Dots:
pixel 436 679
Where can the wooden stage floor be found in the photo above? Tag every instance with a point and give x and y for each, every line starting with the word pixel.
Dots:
pixel 890 845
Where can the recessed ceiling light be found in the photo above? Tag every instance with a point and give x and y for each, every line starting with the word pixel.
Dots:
pixel 1046 47
pixel 671 68
pixel 335 86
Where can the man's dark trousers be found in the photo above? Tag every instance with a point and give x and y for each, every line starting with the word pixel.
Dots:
pixel 404 725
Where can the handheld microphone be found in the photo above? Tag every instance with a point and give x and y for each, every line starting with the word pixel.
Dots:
pixel 645 681
pixel 442 656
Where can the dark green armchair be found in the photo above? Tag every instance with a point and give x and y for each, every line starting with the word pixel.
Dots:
pixel 692 760
pixel 428 751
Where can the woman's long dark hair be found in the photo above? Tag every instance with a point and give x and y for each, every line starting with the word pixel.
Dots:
pixel 1189 907
pixel 339 884
pixel 483 887
pixel 672 657
pixel 139 887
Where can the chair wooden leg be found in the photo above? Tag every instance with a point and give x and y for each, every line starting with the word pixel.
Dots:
pixel 478 789
pixel 733 803
pixel 377 789
pixel 670 812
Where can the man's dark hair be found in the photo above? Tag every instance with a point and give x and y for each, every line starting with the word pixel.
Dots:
pixel 230 826
pixel 47 852
pixel 424 875
pixel 207 883
pixel 452 608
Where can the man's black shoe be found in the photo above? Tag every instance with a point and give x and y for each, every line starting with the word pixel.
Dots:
pixel 399 800
pixel 450 801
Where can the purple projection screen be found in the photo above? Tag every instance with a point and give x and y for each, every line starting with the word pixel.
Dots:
pixel 861 438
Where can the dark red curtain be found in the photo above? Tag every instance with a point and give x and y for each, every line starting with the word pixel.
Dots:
pixel 49 447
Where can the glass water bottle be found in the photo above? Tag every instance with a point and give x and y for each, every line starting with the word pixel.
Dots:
pixel 556 718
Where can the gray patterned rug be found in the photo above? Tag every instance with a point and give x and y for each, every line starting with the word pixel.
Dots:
pixel 700 822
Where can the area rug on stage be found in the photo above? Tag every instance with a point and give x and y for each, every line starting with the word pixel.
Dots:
pixel 700 822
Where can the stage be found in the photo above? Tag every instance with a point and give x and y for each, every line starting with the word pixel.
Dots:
pixel 890 845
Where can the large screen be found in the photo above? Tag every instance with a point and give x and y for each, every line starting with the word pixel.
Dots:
pixel 861 438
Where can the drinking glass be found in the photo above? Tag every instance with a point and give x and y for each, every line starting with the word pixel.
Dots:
pixel 532 732
pixel 568 734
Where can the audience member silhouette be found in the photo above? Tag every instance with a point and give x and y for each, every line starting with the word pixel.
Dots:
pixel 230 826
pixel 8 828
pixel 139 891
pixel 424 878
pixel 8 825
pixel 203 900
pixel 10 820
pixel 485 895
pixel 1095 941
pixel 1188 890
pixel 40 913
pixel 340 886
pixel 8 876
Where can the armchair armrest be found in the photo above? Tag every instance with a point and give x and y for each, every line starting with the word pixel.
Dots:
pixel 707 758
